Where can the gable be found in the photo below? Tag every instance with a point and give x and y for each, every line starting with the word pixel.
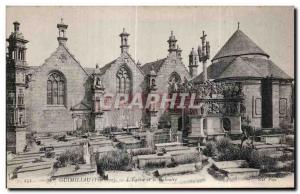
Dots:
pixel 109 72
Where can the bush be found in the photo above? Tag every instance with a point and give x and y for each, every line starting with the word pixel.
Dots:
pixel 261 161
pixel 72 156
pixel 210 149
pixel 142 151
pixel 114 160
pixel 226 150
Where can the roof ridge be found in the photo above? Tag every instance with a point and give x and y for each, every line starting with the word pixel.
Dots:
pixel 74 58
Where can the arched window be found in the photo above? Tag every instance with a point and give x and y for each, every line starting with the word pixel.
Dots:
pixel 124 80
pixel 204 123
pixel 56 85
pixel 175 77
pixel 226 124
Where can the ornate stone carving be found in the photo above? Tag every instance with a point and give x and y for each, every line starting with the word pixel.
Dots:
pixel 98 83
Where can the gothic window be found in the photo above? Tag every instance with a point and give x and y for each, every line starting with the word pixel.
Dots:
pixel 123 80
pixel 175 77
pixel 20 97
pixel 56 85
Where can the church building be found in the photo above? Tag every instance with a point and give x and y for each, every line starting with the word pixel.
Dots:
pixel 62 95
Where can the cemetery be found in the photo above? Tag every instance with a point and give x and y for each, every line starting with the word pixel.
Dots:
pixel 94 154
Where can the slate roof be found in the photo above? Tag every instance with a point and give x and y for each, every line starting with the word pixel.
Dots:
pixel 243 67
pixel 239 44
pixel 147 67
pixel 236 60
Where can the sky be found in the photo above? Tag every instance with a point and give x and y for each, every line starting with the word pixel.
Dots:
pixel 93 32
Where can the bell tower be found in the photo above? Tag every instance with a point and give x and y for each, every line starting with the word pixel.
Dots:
pixel 16 68
pixel 124 41
pixel 172 44
pixel 193 63
pixel 62 33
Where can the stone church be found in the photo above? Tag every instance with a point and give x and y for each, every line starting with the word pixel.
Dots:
pixel 61 95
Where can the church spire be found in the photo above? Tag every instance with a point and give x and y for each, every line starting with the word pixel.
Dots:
pixel 62 29
pixel 172 43
pixel 124 41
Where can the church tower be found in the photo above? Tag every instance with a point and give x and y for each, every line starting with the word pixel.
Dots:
pixel 16 68
pixel 124 41
pixel 193 63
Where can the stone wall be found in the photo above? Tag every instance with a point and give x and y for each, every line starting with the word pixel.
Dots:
pixel 122 118
pixel 253 99
pixel 54 118
pixel 171 64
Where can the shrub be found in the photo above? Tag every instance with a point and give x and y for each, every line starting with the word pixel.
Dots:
pixel 210 149
pixel 114 160
pixel 261 161
pixel 227 150
pixel 77 167
pixel 72 156
pixel 142 151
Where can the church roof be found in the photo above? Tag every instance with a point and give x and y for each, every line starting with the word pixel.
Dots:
pixel 237 45
pixel 155 65
pixel 243 67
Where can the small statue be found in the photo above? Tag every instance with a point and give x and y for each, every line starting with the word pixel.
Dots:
pixel 98 83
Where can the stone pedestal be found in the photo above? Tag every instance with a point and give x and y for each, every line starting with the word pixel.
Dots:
pixel 16 140
pixel 197 126
pixel 86 152
pixel 174 121
pixel 20 140
pixel 99 125
pixel 149 139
